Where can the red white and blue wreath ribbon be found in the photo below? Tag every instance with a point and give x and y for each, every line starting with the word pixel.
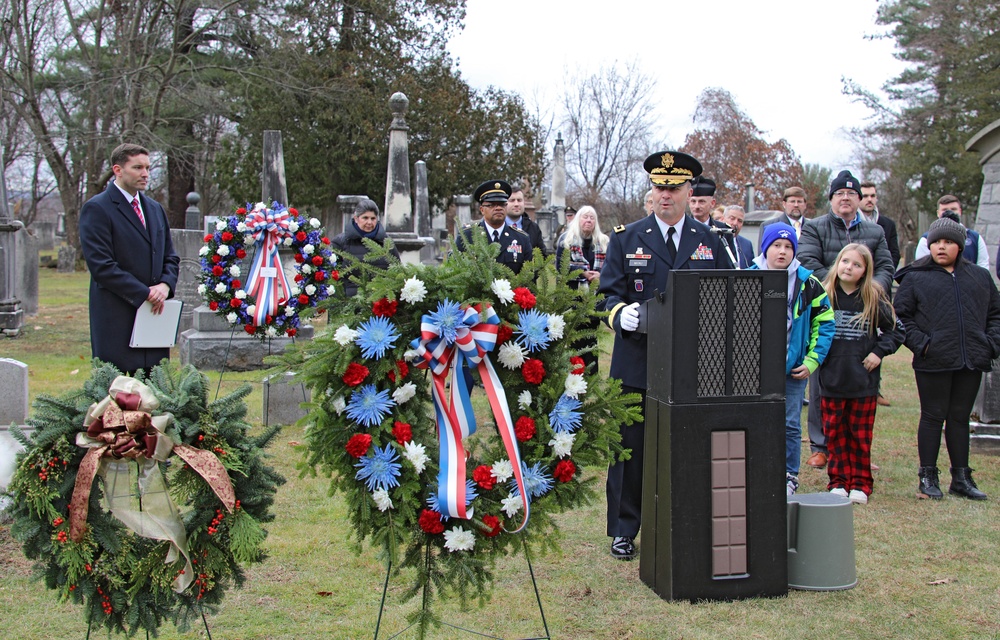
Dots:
pixel 475 337
pixel 267 282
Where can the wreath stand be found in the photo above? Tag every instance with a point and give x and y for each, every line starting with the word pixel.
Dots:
pixel 534 584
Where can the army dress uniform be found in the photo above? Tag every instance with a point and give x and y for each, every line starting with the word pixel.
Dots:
pixel 515 245
pixel 636 265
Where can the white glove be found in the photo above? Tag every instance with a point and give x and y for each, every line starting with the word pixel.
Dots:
pixel 630 317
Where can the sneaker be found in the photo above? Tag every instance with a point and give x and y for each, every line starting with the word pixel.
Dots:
pixel 858 497
pixel 623 548
pixel 791 484
pixel 839 491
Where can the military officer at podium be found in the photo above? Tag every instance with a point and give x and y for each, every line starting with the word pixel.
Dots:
pixel 515 246
pixel 638 258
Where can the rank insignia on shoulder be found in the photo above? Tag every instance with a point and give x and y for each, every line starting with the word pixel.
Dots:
pixel 619 228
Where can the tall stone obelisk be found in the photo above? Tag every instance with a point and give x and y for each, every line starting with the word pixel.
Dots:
pixel 400 222
pixel 559 179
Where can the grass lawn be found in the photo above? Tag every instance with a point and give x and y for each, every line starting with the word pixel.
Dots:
pixel 925 569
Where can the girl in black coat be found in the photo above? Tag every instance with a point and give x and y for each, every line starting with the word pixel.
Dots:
pixel 364 224
pixel 951 311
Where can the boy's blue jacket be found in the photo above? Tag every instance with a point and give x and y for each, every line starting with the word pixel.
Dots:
pixel 812 324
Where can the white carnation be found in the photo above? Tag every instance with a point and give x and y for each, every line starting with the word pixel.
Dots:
pixel 314 223
pixel 524 399
pixel 382 499
pixel 308 249
pixel 416 454
pixel 307 268
pixel 289 311
pixel 287 242
pixel 410 355
pixel 220 288
pixel 345 335
pixel 330 289
pixel 310 289
pixel 232 317
pixel 221 224
pixel 242 227
pixel 252 309
pixel 204 250
pixel 575 385
pixel 557 326
pixel 511 355
pixel 502 470
pixel 202 289
pixel 271 332
pixel 241 294
pixel 234 271
pixel 501 287
pixel 404 393
pixel 248 239
pixel 295 290
pixel 562 443
pixel 414 290
pixel 260 206
pixel 511 505
pixel 458 539
pixel 293 226
pixel 339 404
pixel 223 250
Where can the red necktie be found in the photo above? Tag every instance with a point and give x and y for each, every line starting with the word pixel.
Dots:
pixel 138 211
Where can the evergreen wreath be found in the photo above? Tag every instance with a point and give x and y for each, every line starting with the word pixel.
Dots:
pixel 128 582
pixel 375 413
pixel 265 304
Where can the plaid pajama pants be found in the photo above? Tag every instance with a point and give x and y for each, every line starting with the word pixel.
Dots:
pixel 848 426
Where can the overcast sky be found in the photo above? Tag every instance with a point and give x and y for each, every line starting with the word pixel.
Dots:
pixel 782 60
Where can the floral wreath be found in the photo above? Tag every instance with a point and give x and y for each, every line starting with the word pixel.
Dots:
pixel 395 368
pixel 186 493
pixel 265 304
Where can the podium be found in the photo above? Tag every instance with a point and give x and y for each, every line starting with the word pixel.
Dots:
pixel 713 501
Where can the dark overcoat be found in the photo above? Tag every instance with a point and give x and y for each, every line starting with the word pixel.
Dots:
pixel 125 259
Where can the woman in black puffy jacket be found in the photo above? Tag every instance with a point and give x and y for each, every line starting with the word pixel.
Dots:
pixel 951 311
pixel 364 224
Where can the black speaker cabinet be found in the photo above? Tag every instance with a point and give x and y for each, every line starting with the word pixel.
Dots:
pixel 713 504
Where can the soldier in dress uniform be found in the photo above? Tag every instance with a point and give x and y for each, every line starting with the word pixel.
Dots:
pixel 515 246
pixel 638 258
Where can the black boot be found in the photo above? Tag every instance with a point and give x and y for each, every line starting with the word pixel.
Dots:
pixel 929 487
pixel 962 484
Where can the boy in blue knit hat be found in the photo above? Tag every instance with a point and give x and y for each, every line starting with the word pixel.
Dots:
pixel 809 328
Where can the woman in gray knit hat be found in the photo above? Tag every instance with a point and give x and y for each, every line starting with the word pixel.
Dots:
pixel 951 310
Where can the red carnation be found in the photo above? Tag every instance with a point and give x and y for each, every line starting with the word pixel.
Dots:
pixel 208 237
pixel 320 276
pixel 358 445
pixel 235 303
pixel 217 271
pixel 293 211
pixel 524 298
pixel 484 477
pixel 240 253
pixel 317 260
pixel 213 305
pixel 403 370
pixel 335 275
pixel 355 374
pixel 402 432
pixel 216 258
pixel 298 277
pixel 226 236
pixel 579 367
pixel 524 429
pixel 299 258
pixel 291 332
pixel 564 471
pixel 533 371
pixel 504 332
pixel 301 236
pixel 241 211
pixel 325 240
pixel 303 299
pixel 430 522
pixel 236 284
pixel 249 328
pixel 493 523
pixel 384 308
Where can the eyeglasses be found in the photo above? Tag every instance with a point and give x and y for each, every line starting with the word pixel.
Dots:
pixel 844 193
pixel 494 205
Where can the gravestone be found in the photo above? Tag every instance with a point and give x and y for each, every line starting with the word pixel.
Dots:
pixel 283 398
pixel 463 211
pixel 67 259
pixel 187 244
pixel 423 211
pixel 11 311
pixel 26 281
pixel 13 411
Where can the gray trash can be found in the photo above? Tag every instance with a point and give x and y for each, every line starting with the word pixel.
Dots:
pixel 821 542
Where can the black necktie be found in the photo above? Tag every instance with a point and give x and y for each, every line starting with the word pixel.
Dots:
pixel 671 247
pixel 496 235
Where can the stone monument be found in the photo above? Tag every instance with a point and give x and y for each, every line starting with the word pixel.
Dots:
pixel 428 253
pixel 399 219
pixel 13 411
pixel 11 312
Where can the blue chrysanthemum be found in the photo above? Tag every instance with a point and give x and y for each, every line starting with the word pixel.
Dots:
pixel 368 406
pixel 375 336
pixel 379 470
pixel 533 330
pixel 448 317
pixel 564 416
pixel 536 481
pixel 435 504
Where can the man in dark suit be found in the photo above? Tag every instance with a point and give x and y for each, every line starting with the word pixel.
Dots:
pixel 793 201
pixel 517 219
pixel 639 256
pixel 869 209
pixel 515 245
pixel 126 242
pixel 742 248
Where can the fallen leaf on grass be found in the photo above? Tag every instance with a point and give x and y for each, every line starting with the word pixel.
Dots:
pixel 293 443
pixel 941 581
pixel 37 328
pixel 74 372
pixel 324 594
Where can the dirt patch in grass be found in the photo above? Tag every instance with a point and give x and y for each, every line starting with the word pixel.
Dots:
pixel 12 560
